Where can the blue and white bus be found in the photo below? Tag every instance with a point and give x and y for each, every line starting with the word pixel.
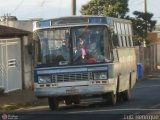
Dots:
pixel 103 66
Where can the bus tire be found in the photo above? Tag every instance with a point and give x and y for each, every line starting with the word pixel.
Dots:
pixel 112 98
pixel 76 100
pixel 53 103
pixel 127 93
pixel 68 101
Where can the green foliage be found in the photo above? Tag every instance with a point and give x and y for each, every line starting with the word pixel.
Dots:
pixel 142 23
pixel 119 8
pixel 113 8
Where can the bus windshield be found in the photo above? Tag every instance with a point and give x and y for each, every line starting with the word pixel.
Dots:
pixel 53 46
pixel 71 46
pixel 88 44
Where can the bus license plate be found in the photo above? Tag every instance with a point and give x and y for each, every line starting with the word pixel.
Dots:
pixel 72 91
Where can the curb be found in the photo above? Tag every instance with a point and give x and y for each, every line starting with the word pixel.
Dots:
pixel 151 77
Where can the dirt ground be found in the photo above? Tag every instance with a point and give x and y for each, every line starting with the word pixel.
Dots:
pixel 17 99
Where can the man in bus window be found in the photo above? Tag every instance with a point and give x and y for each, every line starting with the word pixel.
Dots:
pixel 64 44
pixel 64 49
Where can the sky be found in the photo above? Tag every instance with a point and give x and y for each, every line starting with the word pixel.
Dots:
pixel 28 9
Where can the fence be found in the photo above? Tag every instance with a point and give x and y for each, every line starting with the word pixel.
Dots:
pixel 149 57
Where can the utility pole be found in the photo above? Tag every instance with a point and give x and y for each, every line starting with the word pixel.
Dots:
pixel 73 7
pixel 145 6
pixel 142 51
pixel 145 12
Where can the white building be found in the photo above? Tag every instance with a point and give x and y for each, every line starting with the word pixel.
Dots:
pixel 6 37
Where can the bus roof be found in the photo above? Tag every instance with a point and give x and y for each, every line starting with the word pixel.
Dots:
pixel 76 20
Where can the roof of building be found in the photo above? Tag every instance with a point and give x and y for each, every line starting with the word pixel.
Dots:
pixel 6 31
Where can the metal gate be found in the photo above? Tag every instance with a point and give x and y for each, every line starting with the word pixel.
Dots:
pixel 10 64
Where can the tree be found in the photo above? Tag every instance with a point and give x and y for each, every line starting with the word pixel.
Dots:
pixel 113 8
pixel 142 22
pixel 119 8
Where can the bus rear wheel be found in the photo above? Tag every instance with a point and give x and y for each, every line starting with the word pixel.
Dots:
pixel 126 95
pixel 53 103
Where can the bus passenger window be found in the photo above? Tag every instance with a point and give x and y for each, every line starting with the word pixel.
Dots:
pixel 115 41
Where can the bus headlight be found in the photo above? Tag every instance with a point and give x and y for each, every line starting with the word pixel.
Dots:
pixel 44 79
pixel 100 76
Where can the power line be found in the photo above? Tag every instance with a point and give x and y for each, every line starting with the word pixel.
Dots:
pixel 20 3
pixel 133 1
pixel 156 17
pixel 135 5
pixel 43 2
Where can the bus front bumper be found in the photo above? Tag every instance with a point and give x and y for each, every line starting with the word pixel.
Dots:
pixel 74 90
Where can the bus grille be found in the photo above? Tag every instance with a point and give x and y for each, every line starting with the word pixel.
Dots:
pixel 71 77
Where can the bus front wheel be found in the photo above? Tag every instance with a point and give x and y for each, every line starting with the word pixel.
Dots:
pixel 53 103
pixel 76 100
pixel 68 101
pixel 112 98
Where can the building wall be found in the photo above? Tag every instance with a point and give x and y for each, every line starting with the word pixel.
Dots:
pixel 154 36
pixel 22 24
pixel 27 59
pixel 149 57
pixel 27 65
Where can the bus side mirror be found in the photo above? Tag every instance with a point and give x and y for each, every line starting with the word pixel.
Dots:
pixel 30 48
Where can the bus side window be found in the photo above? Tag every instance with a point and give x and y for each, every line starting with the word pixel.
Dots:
pixel 115 40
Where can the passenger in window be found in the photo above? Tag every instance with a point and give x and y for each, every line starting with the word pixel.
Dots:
pixel 80 51
pixel 64 44
pixel 81 48
pixel 90 59
pixel 64 49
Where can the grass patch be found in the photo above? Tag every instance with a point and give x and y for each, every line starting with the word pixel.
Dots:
pixel 10 106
